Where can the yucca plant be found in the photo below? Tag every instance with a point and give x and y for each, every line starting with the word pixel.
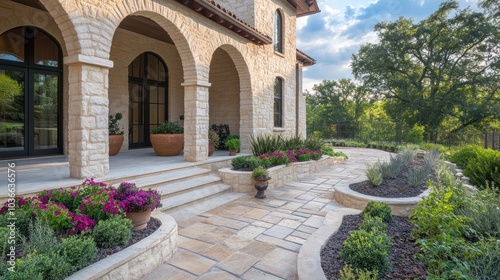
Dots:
pixel 293 143
pixel 314 143
pixel 265 144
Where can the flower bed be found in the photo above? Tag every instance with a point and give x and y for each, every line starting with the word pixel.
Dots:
pixel 241 181
pixel 57 232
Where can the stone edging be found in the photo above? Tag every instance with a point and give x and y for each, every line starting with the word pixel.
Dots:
pixel 309 259
pixel 138 260
pixel 241 181
pixel 402 206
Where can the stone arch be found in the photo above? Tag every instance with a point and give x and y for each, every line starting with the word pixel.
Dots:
pixel 246 119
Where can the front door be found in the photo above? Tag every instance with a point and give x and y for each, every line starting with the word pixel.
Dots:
pixel 30 93
pixel 148 77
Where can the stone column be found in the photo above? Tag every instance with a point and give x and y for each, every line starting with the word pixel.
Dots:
pixel 196 120
pixel 88 116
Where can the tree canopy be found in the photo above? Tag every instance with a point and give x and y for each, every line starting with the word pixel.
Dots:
pixel 444 68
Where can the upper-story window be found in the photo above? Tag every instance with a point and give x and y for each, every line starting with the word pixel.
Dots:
pixel 278 32
pixel 278 102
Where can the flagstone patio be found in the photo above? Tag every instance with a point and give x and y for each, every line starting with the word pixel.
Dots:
pixel 248 238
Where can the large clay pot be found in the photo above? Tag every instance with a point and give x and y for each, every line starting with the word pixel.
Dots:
pixel 115 143
pixel 139 219
pixel 232 152
pixel 211 148
pixel 167 144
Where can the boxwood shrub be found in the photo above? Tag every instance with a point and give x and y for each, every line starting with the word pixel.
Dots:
pixel 378 209
pixel 113 231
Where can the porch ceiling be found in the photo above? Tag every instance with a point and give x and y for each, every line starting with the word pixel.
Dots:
pixel 31 3
pixel 146 27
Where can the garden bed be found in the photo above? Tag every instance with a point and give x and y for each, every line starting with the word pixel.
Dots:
pixel 241 181
pixel 402 252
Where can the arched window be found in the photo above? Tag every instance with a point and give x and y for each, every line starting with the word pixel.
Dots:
pixel 30 102
pixel 278 102
pixel 148 84
pixel 278 32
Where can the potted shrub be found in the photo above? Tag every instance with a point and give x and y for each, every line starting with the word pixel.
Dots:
pixel 137 203
pixel 167 139
pixel 213 141
pixel 260 176
pixel 233 145
pixel 115 134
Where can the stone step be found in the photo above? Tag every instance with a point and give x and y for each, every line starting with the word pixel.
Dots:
pixel 193 196
pixel 179 187
pixel 158 180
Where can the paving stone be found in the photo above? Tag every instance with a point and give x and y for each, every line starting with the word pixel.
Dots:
pixel 251 231
pixel 279 262
pixel 313 205
pixel 303 235
pixel 216 275
pixel 221 221
pixel 279 242
pixel 256 213
pixel 295 239
pixel 275 202
pixel 238 263
pixel 169 272
pixel 236 242
pixel 218 235
pixel 235 211
pixel 196 230
pixel 191 244
pixel 314 221
pixel 301 214
pixel 307 229
pixel 255 274
pixel 263 224
pixel 191 262
pixel 257 248
pixel 292 206
pixel 278 231
pixel 289 223
pixel 217 252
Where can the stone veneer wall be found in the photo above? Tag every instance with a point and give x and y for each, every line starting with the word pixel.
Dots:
pixel 224 93
pixel 87 31
pixel 241 181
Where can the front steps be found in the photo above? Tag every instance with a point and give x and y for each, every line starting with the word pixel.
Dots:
pixel 182 187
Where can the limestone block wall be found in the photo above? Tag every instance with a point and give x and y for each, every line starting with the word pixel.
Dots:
pixel 126 47
pixel 224 92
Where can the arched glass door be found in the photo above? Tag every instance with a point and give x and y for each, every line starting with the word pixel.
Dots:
pixel 30 93
pixel 148 76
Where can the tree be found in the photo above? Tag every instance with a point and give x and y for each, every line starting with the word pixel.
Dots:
pixel 9 89
pixel 446 66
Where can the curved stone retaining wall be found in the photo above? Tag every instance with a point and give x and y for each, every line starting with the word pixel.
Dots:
pixel 138 260
pixel 241 181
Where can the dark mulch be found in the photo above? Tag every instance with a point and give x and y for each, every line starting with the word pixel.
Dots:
pixel 403 250
pixel 396 187
pixel 137 236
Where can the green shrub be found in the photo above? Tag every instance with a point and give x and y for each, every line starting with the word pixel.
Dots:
pixel 265 144
pixel 374 174
pixel 416 177
pixel 484 169
pixel 23 219
pixel 42 266
pixel 168 128
pixel 246 163
pixel 484 264
pixel 416 134
pixel 462 157
pixel 112 232
pixel 483 215
pixel 367 250
pixel 293 143
pixel 347 273
pixel 378 209
pixel 42 239
pixel 79 251
pixel 233 144
pixel 314 143
pixel 370 224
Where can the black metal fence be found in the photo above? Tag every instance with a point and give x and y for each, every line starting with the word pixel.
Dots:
pixel 400 134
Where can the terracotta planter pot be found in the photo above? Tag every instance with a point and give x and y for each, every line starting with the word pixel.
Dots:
pixel 167 144
pixel 232 152
pixel 115 143
pixel 211 148
pixel 139 219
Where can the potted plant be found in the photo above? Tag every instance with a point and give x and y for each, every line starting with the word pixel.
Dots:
pixel 260 176
pixel 167 139
pixel 213 141
pixel 233 146
pixel 137 203
pixel 115 134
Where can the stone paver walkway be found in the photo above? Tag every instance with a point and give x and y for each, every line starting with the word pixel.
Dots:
pixel 249 238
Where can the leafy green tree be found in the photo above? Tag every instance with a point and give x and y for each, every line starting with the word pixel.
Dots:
pixel 444 67
pixel 9 89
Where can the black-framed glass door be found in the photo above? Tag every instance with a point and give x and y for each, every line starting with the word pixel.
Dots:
pixel 148 95
pixel 30 93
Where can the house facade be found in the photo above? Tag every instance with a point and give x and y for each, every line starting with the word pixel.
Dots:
pixel 65 66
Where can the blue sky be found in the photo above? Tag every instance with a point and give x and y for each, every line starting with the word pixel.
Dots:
pixel 332 36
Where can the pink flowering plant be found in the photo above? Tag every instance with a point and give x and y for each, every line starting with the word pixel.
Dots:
pixel 56 215
pixel 82 223
pixel 276 158
pixel 213 137
pixel 100 205
pixel 133 199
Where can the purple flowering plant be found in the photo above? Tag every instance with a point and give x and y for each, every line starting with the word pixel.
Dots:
pixel 56 215
pixel 100 205
pixel 82 223
pixel 133 199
